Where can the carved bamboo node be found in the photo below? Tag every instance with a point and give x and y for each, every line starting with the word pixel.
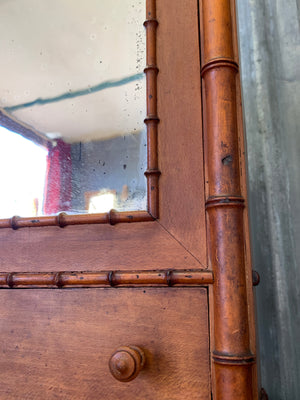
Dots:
pixel 60 219
pixel 151 21
pixel 235 359
pixel 151 119
pixel 151 68
pixel 10 280
pixel 169 278
pixel 155 172
pixel 112 218
pixel 14 222
pixel 227 201
pixel 218 63
pixel 111 278
pixel 139 278
pixel 58 280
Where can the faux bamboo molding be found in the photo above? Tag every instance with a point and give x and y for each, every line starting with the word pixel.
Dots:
pixel 62 219
pixel 152 173
pixel 231 355
pixel 21 280
pixel 152 119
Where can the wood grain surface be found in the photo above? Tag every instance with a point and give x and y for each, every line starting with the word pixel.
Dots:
pixel 233 353
pixel 182 209
pixel 178 238
pixel 144 245
pixel 57 344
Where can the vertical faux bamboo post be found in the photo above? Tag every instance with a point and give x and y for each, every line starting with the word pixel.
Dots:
pixel 232 358
pixel 151 120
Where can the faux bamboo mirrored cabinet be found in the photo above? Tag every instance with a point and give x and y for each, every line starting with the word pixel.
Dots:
pixel 74 113
pixel 130 275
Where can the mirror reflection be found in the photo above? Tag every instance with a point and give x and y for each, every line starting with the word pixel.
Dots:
pixel 72 105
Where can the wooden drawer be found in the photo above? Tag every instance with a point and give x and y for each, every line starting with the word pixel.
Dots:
pixel 56 344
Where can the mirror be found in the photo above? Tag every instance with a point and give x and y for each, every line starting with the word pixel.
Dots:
pixel 72 106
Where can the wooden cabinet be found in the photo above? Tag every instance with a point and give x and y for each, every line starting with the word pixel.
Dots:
pixel 56 342
pixel 59 343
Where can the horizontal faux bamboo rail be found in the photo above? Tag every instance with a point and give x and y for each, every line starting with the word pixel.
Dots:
pixel 21 280
pixel 62 219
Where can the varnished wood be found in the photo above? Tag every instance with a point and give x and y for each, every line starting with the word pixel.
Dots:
pixel 86 279
pixel 152 120
pixel 175 241
pixel 62 219
pixel 57 344
pixel 145 245
pixel 180 140
pixel 232 356
pixel 178 239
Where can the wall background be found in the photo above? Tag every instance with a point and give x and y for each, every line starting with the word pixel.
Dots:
pixel 270 61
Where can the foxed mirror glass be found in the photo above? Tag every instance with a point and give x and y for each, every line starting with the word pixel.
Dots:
pixel 73 103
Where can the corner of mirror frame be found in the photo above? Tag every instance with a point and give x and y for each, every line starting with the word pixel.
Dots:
pixel 152 173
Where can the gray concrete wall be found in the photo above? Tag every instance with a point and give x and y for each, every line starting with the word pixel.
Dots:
pixel 270 61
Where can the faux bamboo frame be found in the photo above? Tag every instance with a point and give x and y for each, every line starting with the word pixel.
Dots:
pixel 63 279
pixel 233 361
pixel 232 358
pixel 165 277
pixel 152 173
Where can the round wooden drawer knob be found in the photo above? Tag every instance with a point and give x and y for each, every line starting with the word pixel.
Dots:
pixel 126 363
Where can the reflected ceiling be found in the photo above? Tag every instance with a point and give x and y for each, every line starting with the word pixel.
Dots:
pixel 73 69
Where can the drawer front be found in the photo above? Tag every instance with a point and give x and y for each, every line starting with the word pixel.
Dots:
pixel 56 344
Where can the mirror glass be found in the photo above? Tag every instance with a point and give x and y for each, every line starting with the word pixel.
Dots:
pixel 72 106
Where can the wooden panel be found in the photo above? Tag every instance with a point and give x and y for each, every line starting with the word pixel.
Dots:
pixel 182 209
pixel 178 238
pixel 56 344
pixel 144 245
